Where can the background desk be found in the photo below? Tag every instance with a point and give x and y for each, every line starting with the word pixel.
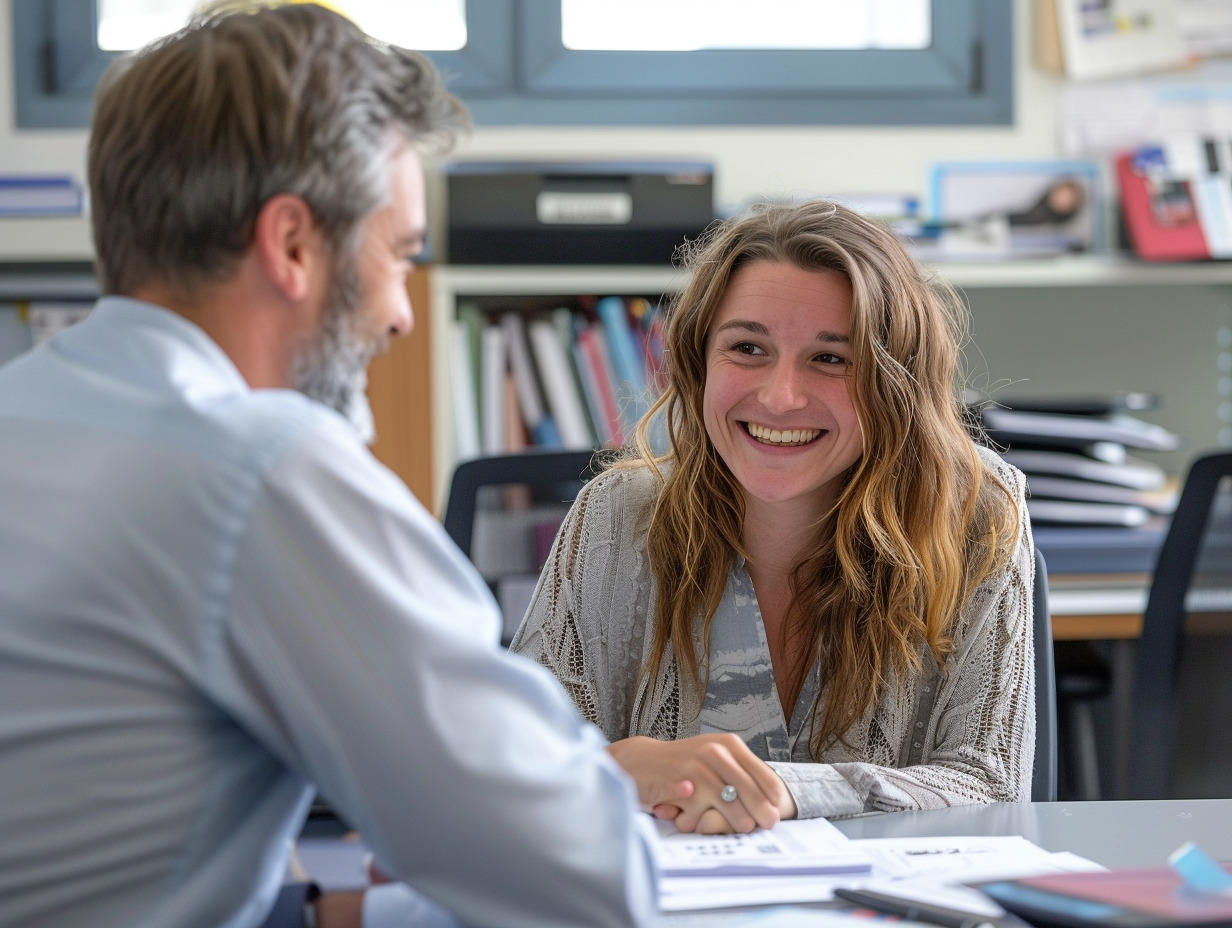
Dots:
pixel 1109 607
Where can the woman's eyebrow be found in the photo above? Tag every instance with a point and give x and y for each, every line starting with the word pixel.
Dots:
pixel 746 324
pixel 757 328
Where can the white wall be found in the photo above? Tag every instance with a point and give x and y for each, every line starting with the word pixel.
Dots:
pixel 43 152
pixel 749 161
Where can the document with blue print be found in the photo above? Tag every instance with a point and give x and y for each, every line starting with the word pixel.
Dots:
pixel 806 847
pixel 800 862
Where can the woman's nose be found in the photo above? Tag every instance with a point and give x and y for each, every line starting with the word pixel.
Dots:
pixel 784 389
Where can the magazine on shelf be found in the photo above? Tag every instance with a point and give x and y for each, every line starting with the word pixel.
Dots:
pixel 1119 428
pixel 565 321
pixel 1108 452
pixel 492 389
pixel 625 352
pixel 559 388
pixel 1070 512
pixel 593 363
pixel 1107 404
pixel 1133 473
pixel 541 426
pixel 466 407
pixel 1063 488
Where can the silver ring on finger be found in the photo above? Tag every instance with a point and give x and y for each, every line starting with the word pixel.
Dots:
pixel 728 793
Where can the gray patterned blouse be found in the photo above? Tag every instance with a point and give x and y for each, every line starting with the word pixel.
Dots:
pixel 957 736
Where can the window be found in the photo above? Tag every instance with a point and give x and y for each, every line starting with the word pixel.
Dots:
pixel 552 62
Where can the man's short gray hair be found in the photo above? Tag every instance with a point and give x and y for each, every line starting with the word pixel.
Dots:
pixel 195 132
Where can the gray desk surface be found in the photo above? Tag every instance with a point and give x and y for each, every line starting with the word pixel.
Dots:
pixel 1115 834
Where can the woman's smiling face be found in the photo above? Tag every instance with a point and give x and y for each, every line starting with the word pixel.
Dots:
pixel 777 401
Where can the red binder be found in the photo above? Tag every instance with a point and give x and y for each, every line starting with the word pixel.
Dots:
pixel 1160 218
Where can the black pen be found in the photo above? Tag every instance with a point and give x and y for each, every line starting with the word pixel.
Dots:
pixel 910 909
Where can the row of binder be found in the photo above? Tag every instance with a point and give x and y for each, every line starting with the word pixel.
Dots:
pixel 571 377
pixel 1075 455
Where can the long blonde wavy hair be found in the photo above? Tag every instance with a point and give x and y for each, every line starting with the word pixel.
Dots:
pixel 919 522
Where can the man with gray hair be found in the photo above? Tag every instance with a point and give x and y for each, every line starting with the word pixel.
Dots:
pixel 214 600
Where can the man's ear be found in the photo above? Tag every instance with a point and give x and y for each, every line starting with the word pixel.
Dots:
pixel 288 245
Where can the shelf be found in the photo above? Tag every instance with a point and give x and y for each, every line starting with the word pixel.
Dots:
pixel 47 280
pixel 1109 270
pixel 457 282
pixel 1104 270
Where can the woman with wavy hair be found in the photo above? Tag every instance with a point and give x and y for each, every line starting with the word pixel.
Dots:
pixel 817 600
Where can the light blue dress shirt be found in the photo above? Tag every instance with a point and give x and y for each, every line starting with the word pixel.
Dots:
pixel 213 598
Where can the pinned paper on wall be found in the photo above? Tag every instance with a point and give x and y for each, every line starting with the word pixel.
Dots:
pixel 1100 39
pixel 1101 118
pixel 40 195
pixel 46 319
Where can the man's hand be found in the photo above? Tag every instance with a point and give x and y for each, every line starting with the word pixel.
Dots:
pixel 340 910
pixel 683 780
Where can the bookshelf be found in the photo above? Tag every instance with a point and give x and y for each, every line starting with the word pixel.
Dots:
pixel 527 288
pixel 1094 285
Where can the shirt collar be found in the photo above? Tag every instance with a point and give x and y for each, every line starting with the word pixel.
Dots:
pixel 199 359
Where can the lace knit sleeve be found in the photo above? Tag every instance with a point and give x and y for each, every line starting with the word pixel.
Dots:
pixel 586 615
pixel 977 743
pixel 548 633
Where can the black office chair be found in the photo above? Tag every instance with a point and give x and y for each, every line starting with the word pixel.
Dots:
pixel 1044 771
pixel 553 477
pixel 1157 662
pixel 288 910
pixel 1084 677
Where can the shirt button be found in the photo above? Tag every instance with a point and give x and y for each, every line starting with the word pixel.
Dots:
pixel 919 724
pixel 917 744
pixel 928 689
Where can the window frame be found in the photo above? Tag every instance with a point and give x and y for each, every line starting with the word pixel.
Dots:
pixel 515 71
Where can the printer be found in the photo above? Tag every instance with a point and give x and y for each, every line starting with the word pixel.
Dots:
pixel 575 212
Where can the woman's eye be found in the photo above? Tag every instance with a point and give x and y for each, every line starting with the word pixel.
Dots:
pixel 746 348
pixel 833 364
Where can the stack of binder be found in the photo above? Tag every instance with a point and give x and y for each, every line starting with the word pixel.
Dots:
pixel 1076 455
pixel 569 377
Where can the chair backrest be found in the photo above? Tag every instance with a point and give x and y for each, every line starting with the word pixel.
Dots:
pixel 556 475
pixel 1157 662
pixel 1044 772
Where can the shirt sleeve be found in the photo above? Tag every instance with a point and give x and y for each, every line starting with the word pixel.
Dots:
pixel 360 647
pixel 978 742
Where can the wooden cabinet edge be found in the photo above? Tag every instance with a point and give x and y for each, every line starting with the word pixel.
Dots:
pixel 400 390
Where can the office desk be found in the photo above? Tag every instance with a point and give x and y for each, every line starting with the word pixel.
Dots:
pixel 1115 834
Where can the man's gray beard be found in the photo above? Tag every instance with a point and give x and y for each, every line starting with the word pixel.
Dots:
pixel 333 367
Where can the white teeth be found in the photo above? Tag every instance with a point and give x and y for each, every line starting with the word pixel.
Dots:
pixel 782 436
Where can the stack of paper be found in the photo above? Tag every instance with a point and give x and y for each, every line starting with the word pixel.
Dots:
pixel 797 861
pixel 805 861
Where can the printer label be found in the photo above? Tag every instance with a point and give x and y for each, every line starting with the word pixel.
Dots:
pixel 613 209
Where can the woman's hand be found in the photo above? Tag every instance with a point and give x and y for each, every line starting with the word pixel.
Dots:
pixel 683 780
